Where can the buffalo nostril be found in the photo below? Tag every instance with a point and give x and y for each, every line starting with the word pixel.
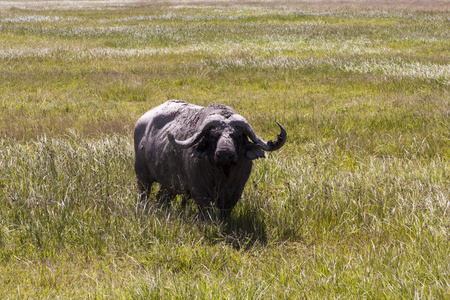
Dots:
pixel 225 155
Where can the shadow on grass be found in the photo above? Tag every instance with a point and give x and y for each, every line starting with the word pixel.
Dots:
pixel 243 230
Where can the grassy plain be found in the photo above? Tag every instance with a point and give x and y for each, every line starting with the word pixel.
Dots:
pixel 356 205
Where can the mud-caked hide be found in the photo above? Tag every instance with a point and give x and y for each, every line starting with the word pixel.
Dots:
pixel 204 153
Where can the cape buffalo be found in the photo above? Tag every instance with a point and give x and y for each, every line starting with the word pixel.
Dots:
pixel 201 152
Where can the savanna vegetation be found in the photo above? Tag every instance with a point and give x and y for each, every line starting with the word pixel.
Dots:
pixel 356 205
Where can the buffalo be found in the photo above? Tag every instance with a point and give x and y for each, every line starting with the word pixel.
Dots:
pixel 204 153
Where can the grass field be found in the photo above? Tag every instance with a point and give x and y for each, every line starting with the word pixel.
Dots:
pixel 356 205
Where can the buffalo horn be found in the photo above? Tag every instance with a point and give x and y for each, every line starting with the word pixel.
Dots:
pixel 195 138
pixel 241 122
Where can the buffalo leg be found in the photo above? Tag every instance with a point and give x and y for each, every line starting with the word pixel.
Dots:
pixel 164 196
pixel 184 200
pixel 205 206
pixel 144 188
pixel 228 201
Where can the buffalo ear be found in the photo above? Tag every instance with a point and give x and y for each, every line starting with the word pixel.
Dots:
pixel 253 151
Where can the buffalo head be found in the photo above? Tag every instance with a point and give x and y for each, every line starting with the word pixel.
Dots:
pixel 226 139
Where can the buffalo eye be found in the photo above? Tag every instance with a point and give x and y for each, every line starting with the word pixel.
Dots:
pixel 201 149
pixel 203 144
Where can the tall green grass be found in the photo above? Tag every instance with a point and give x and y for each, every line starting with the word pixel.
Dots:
pixel 355 205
